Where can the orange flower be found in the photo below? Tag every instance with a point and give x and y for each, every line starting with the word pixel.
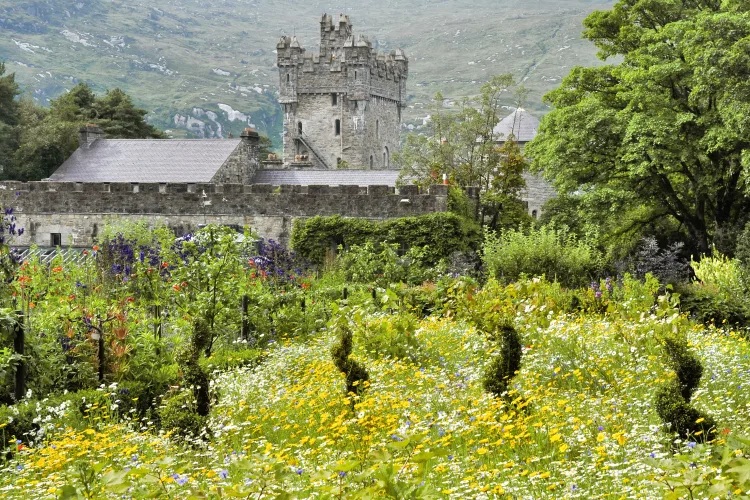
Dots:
pixel 57 269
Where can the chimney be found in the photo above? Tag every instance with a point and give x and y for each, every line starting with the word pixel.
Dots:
pixel 88 134
pixel 250 137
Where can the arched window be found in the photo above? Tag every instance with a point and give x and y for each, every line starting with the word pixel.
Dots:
pixel 288 78
pixel 386 158
pixel 534 214
pixel 372 162
pixel 299 128
pixel 338 127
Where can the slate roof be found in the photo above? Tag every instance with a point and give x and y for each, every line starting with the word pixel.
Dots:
pixel 327 177
pixel 146 160
pixel 522 124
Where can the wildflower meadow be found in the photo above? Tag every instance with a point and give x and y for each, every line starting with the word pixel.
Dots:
pixel 219 366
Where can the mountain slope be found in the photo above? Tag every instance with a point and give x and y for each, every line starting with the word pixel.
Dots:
pixel 206 67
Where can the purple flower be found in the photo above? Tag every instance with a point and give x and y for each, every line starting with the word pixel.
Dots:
pixel 691 444
pixel 224 474
pixel 342 474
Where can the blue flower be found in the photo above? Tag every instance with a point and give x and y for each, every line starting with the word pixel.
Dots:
pixel 224 474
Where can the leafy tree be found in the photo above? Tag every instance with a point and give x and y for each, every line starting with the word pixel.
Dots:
pixel 664 132
pixel 48 137
pixel 463 146
pixel 8 116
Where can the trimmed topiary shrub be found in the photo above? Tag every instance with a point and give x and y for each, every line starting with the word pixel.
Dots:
pixel 355 373
pixel 672 401
pixel 180 415
pixel 186 412
pixel 504 366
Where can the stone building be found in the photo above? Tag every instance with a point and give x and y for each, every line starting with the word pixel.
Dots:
pixel 186 183
pixel 342 104
pixel 522 126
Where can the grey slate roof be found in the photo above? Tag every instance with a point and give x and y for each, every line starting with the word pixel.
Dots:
pixel 327 177
pixel 146 160
pixel 522 124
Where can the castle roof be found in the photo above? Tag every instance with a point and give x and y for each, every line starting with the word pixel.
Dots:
pixel 146 160
pixel 521 124
pixel 338 177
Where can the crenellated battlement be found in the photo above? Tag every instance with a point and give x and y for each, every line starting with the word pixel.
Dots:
pixel 73 213
pixel 344 102
pixel 345 63
pixel 11 191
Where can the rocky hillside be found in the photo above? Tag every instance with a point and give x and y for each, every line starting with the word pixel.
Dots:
pixel 206 67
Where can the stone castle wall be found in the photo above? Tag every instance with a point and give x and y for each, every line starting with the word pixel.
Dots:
pixel 78 211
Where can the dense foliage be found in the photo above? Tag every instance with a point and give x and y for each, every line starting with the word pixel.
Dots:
pixel 438 234
pixel 660 132
pixel 545 251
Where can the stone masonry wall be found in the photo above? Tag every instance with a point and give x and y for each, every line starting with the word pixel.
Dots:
pixel 78 211
pixel 241 165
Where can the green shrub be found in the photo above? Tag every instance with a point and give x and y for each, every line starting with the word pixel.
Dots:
pixel 381 265
pixel 672 401
pixel 179 414
pixel 547 251
pixel 443 233
pixel 390 336
pixel 707 305
pixel 682 418
pixel 355 373
pixel 504 366
pixel 719 294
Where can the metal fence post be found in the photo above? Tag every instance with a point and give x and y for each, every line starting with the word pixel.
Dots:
pixel 245 326
pixel 19 346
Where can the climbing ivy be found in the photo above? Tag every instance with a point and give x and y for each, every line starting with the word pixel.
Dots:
pixel 444 233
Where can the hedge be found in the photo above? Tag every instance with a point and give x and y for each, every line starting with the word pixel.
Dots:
pixel 443 232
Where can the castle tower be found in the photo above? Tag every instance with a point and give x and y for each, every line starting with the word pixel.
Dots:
pixel 342 104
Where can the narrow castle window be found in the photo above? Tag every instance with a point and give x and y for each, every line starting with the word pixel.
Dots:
pixel 377 129
pixel 288 78
pixel 355 75
pixel 534 214
pixel 55 239
pixel 299 128
pixel 386 157
pixel 338 127
pixel 334 99
pixel 372 162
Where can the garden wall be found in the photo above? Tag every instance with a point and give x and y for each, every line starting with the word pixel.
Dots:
pixel 76 212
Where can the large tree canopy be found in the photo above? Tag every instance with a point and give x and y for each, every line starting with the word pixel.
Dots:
pixel 46 138
pixel 665 131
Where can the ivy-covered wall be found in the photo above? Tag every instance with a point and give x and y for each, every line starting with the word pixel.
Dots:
pixel 444 233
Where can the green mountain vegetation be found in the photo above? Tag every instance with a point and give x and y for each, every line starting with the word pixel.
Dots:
pixel 206 68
